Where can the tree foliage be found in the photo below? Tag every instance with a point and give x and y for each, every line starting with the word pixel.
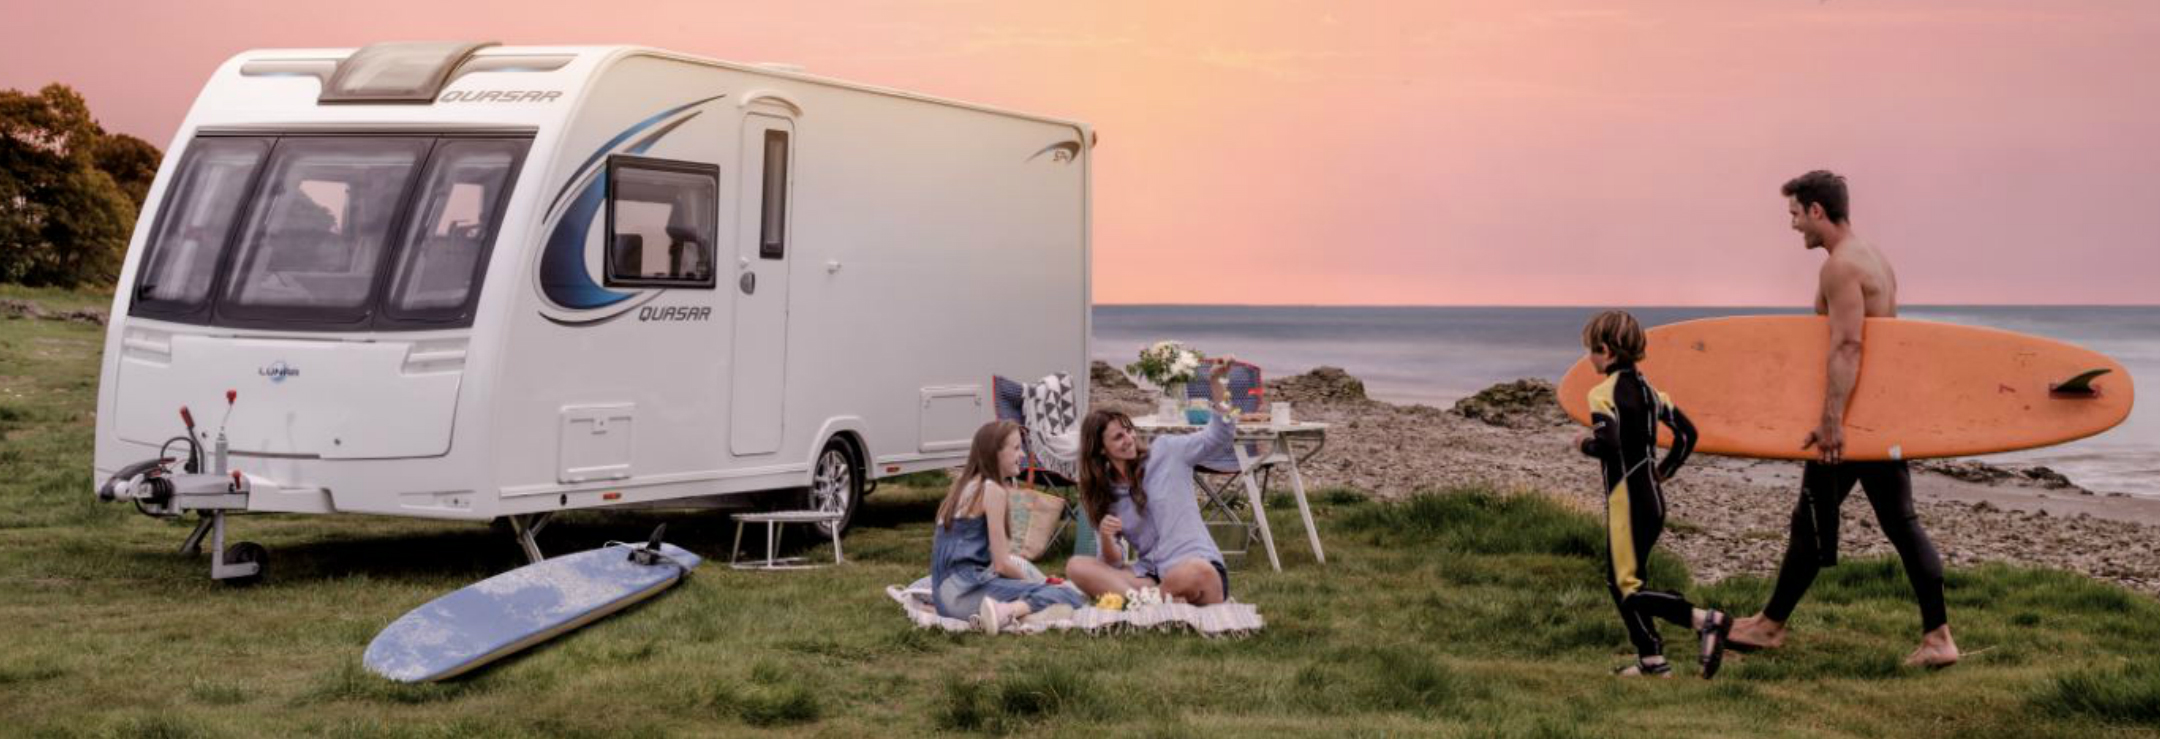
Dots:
pixel 131 162
pixel 69 191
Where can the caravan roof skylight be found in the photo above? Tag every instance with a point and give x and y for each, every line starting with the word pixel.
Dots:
pixel 403 72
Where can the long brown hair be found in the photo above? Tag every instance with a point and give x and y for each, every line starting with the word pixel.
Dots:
pixel 1095 471
pixel 982 465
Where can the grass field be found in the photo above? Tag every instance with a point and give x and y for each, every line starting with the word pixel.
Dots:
pixel 1458 613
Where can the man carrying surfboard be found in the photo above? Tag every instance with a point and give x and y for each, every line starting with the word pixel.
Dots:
pixel 1855 283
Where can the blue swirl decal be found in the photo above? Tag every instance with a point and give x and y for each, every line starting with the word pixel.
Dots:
pixel 564 279
pixel 562 266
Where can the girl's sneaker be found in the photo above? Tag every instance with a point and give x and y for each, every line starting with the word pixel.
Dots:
pixel 991 616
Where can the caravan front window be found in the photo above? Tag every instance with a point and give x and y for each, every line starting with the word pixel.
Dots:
pixel 294 231
pixel 453 222
pixel 198 219
pixel 321 219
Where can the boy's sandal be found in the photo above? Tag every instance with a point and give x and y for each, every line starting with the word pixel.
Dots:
pixel 1712 640
pixel 1644 669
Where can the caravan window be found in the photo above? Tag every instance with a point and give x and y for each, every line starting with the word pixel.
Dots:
pixel 773 208
pixel 318 228
pixel 294 231
pixel 661 222
pixel 199 212
pixel 454 220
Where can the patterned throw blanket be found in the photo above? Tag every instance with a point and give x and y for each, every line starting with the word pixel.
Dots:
pixel 1052 415
pixel 1223 619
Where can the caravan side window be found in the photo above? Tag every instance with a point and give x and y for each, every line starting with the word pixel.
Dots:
pixel 662 220
pixel 773 208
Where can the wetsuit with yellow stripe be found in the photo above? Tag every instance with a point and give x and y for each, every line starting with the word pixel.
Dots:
pixel 1625 413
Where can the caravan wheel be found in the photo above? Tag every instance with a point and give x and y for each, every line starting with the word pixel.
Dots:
pixel 835 486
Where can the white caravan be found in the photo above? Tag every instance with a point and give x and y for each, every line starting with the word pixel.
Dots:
pixel 468 281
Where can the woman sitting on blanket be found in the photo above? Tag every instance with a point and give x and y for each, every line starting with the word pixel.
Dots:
pixel 1146 493
pixel 970 574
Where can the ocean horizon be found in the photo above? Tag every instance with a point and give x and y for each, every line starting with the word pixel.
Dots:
pixel 1435 355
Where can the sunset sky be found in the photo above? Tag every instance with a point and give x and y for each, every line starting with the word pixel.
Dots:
pixel 1574 152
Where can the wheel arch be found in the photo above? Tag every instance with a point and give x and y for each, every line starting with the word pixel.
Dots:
pixel 848 430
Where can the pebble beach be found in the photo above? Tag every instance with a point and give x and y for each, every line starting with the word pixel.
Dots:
pixel 1727 516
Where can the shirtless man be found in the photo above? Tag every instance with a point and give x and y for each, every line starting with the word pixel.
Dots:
pixel 1856 282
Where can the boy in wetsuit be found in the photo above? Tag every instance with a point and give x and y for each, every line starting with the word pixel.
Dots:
pixel 1625 413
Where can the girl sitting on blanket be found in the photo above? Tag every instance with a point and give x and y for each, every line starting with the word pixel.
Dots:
pixel 970 574
pixel 1146 492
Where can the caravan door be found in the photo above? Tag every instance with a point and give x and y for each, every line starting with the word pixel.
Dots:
pixel 758 383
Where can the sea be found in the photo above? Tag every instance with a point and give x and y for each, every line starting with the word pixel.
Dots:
pixel 1437 355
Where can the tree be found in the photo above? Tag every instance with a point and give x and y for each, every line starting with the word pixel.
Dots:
pixel 69 193
pixel 131 162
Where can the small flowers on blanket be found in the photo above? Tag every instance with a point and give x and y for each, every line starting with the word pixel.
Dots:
pixel 1111 602
pixel 1145 596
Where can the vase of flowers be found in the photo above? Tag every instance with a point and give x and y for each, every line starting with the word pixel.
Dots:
pixel 1168 365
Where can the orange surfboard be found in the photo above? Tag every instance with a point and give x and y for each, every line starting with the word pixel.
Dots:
pixel 1753 387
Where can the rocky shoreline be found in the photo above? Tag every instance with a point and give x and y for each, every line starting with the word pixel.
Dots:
pixel 1727 516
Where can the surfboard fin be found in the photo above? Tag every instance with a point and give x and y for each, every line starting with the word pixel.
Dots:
pixel 2077 387
pixel 650 553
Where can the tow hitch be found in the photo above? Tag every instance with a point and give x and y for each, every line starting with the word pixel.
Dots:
pixel 157 489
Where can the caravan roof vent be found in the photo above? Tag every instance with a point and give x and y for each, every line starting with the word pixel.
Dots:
pixel 401 72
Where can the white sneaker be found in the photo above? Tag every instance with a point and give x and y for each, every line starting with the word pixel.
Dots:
pixel 990 616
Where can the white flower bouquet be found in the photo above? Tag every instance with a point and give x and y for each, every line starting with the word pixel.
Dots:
pixel 1166 364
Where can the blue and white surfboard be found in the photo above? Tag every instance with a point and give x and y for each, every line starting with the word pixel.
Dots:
pixel 506 613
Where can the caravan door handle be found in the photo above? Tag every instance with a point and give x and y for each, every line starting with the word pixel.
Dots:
pixel 748 282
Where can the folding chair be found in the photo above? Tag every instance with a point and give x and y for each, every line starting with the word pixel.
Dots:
pixel 1009 397
pixel 1248 396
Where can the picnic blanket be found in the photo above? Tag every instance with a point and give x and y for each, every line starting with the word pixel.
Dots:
pixel 1222 619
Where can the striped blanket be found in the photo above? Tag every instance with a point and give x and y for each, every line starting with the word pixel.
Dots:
pixel 1223 619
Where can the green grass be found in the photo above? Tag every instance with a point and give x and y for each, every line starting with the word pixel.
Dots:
pixel 2122 694
pixel 1467 612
